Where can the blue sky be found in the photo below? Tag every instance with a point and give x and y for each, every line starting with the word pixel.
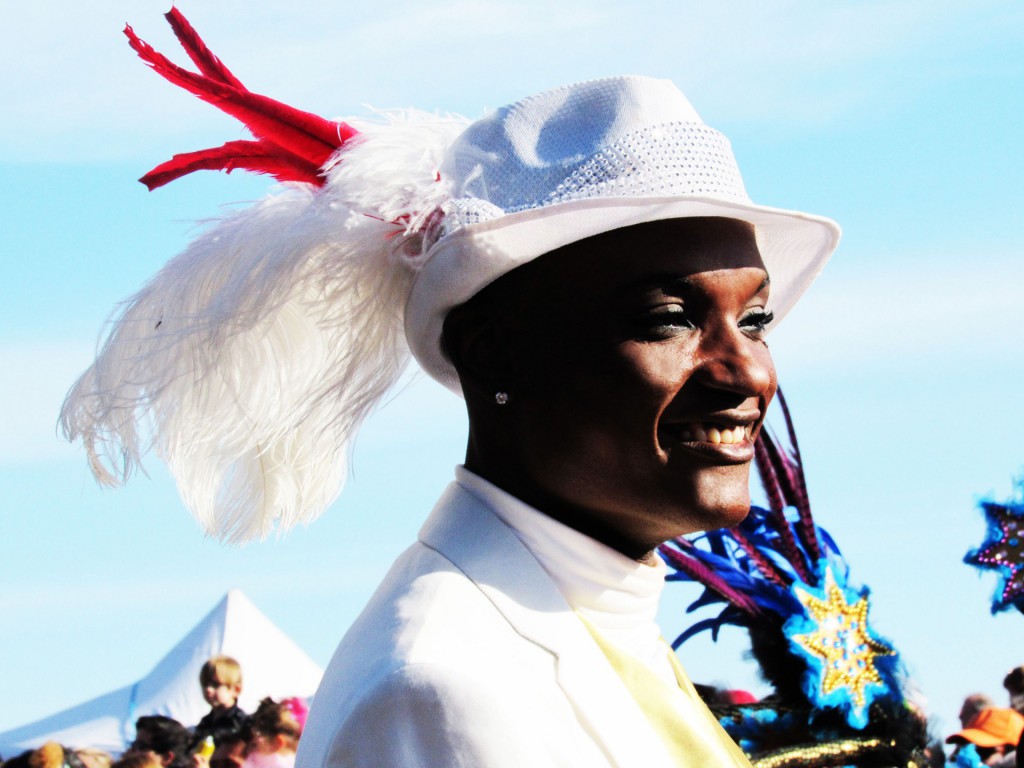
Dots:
pixel 903 364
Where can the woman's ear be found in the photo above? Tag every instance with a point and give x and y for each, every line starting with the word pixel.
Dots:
pixel 481 347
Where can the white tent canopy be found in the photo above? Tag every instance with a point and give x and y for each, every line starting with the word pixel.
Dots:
pixel 272 665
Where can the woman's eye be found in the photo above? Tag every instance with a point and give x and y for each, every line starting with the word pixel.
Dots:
pixel 667 319
pixel 755 323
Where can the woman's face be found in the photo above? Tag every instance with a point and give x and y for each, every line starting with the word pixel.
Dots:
pixel 639 380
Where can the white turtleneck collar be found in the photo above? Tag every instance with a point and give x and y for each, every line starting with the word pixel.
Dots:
pixel 618 595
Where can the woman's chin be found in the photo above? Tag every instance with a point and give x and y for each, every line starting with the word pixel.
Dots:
pixel 734 515
pixel 724 509
pixel 721 498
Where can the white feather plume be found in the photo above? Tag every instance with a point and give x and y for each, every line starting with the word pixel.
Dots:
pixel 250 361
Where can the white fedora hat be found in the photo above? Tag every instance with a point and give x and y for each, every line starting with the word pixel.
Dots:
pixel 578 161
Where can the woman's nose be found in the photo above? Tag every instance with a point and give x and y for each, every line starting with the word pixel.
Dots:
pixel 735 362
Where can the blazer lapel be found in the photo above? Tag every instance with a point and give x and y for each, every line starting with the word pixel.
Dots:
pixel 466 532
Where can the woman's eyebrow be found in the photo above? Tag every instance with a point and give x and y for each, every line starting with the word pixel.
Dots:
pixel 665 281
pixel 672 282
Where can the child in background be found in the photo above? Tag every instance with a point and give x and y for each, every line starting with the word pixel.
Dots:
pixel 275 728
pixel 221 681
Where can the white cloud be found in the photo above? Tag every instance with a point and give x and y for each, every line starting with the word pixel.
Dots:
pixel 78 93
pixel 904 313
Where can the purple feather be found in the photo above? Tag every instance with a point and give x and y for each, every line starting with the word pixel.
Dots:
pixel 696 570
pixel 769 479
pixel 752 566
pixel 764 565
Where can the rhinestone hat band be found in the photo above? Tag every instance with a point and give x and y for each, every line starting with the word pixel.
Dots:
pixel 677 158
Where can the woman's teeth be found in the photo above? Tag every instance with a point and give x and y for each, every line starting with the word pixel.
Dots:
pixel 715 435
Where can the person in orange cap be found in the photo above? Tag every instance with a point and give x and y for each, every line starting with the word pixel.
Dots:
pixel 995 733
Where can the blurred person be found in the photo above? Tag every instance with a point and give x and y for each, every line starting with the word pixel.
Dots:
pixel 94 758
pixel 275 730
pixel 221 681
pixel 229 752
pixel 995 733
pixel 49 755
pixel 138 759
pixel 20 760
pixel 164 736
pixel 1014 685
pixel 972 705
pixel 935 754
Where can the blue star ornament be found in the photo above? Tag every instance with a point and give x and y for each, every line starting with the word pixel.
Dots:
pixel 1003 551
pixel 845 658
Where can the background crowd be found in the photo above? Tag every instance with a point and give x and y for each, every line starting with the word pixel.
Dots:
pixel 228 737
pixel 991 734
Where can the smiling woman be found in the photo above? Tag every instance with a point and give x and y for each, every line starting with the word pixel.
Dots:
pixel 637 379
pixel 586 269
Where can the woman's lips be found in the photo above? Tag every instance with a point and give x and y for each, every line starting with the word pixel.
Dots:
pixel 714 434
pixel 729 443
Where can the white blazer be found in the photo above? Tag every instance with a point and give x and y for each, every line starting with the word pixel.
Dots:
pixel 468 655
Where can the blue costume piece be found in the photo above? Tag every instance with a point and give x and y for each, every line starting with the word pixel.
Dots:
pixel 783 578
pixel 1003 551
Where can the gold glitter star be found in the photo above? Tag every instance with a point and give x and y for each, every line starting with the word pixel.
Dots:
pixel 842 641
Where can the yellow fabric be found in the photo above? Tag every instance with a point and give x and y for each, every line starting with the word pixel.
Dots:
pixel 690 732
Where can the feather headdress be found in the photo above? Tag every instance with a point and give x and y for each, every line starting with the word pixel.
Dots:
pixel 250 360
pixel 783 578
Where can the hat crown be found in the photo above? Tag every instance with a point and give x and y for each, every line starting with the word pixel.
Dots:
pixel 573 163
pixel 1000 722
pixel 616 137
pixel 992 726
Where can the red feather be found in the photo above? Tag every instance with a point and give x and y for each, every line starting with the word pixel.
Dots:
pixel 201 56
pixel 247 155
pixel 290 140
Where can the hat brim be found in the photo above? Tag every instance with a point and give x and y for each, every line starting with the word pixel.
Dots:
pixel 977 737
pixel 794 246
